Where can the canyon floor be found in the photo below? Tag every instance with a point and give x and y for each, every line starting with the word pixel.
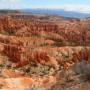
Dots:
pixel 44 52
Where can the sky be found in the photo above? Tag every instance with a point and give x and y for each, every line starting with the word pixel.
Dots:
pixel 68 5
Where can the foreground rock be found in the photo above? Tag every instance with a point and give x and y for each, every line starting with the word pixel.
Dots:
pixel 27 83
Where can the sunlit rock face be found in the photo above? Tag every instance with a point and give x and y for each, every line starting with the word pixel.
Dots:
pixel 41 52
pixel 27 83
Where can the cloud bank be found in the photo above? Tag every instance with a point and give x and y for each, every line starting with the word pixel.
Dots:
pixel 24 4
pixel 76 8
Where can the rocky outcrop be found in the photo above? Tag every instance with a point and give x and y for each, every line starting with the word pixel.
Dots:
pixel 73 33
pixel 35 49
pixel 62 55
pixel 27 83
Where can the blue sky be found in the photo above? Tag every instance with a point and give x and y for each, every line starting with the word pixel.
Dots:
pixel 71 5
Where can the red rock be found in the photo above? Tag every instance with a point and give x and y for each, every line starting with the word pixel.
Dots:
pixel 26 81
pixel 9 73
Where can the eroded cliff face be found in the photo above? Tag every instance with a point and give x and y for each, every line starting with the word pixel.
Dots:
pixel 74 32
pixel 32 48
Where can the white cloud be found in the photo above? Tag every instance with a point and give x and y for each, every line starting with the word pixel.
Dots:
pixel 78 8
pixel 10 1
